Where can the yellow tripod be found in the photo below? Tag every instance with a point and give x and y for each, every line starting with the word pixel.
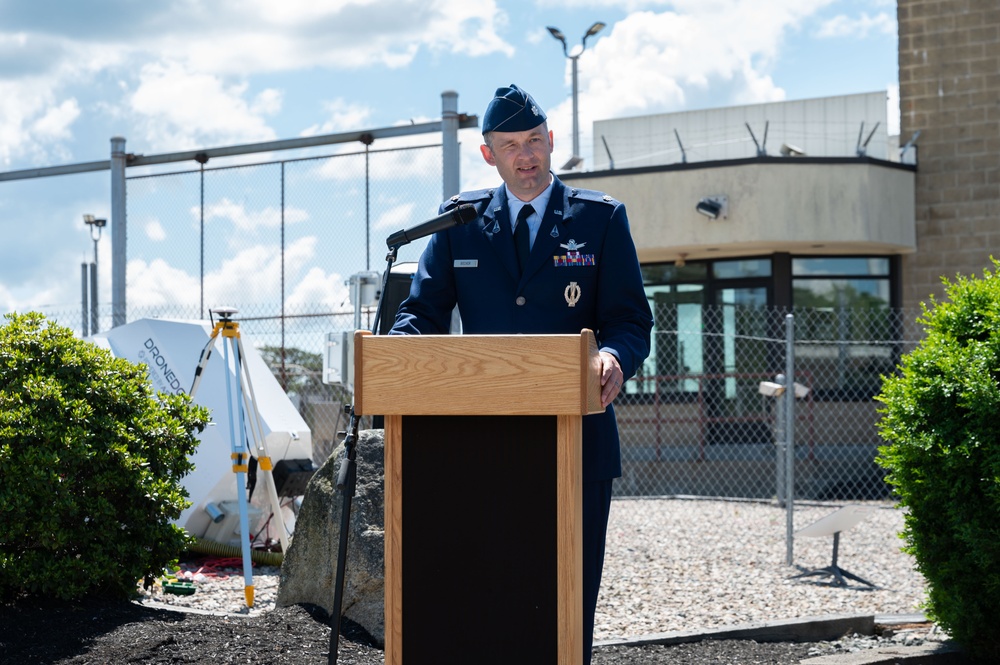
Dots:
pixel 245 403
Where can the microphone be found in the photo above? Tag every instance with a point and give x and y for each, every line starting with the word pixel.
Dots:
pixel 461 215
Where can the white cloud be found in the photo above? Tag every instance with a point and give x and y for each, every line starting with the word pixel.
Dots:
pixel 658 62
pixel 56 121
pixel 267 102
pixel 183 109
pixel 253 275
pixel 261 35
pixel 343 116
pixel 157 283
pixel 244 220
pixel 32 120
pixel 318 288
pixel 859 27
pixel 397 217
pixel 154 231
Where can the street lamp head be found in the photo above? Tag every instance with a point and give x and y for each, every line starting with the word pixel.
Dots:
pixel 92 222
pixel 591 31
pixel 557 33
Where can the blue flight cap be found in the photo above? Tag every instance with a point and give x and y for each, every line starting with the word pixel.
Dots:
pixel 512 110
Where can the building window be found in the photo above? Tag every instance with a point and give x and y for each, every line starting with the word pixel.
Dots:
pixel 711 317
pixel 846 330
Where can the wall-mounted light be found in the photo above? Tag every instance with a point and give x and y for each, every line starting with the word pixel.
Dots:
pixel 713 207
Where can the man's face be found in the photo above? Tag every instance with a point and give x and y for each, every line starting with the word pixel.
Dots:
pixel 522 159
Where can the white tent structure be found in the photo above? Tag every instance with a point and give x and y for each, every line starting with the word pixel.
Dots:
pixel 171 349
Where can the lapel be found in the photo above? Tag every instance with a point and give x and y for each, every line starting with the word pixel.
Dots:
pixel 553 229
pixel 496 229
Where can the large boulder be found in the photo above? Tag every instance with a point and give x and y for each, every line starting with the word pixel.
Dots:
pixel 309 569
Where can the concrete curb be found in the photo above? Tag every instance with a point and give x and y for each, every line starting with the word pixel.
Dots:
pixel 808 629
pixel 817 629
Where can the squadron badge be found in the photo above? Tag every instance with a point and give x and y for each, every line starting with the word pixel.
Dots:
pixel 573 257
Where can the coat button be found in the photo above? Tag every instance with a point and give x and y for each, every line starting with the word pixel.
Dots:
pixel 520 300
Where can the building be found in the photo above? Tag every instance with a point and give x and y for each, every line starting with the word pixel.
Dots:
pixel 840 223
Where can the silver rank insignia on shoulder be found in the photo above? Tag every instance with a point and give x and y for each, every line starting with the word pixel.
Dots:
pixel 607 197
pixel 572 294
pixel 572 245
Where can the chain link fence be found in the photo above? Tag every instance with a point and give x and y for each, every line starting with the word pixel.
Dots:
pixel 285 235
pixel 715 432
pixel 718 430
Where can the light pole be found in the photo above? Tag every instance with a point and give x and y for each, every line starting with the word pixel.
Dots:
pixel 94 224
pixel 574 55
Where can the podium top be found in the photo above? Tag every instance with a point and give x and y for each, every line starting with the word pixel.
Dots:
pixel 477 374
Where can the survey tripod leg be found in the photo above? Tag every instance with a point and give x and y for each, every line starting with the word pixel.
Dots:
pixel 245 403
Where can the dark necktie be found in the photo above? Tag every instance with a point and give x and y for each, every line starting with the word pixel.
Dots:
pixel 522 236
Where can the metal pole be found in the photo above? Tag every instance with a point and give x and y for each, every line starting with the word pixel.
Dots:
pixel 284 377
pixel 201 241
pixel 93 298
pixel 85 323
pixel 789 435
pixel 781 445
pixel 119 256
pixel 450 157
pixel 93 287
pixel 576 115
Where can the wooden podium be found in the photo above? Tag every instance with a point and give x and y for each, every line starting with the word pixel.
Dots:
pixel 483 480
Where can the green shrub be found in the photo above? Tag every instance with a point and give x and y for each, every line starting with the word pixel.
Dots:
pixel 90 466
pixel 941 422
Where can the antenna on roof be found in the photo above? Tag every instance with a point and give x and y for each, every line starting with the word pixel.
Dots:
pixel 611 160
pixel 862 148
pixel 684 157
pixel 911 144
pixel 761 148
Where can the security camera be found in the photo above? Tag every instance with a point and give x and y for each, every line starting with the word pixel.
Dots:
pixel 713 207
pixel 789 150
pixel 771 389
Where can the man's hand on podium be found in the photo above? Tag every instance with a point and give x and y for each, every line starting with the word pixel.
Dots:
pixel 611 378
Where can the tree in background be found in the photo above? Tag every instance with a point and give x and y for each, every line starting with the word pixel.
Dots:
pixel 90 466
pixel 941 422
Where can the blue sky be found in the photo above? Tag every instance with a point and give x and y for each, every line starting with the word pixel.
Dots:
pixel 175 75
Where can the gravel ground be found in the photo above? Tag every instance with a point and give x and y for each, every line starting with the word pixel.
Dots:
pixel 672 565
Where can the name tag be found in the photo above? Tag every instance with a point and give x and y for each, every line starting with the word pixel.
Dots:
pixel 466 263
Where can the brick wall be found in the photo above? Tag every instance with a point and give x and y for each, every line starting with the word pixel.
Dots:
pixel 949 90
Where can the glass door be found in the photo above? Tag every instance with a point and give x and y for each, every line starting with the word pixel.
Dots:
pixel 737 344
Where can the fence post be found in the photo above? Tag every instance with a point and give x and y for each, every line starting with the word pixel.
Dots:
pixel 789 436
pixel 780 445
pixel 85 330
pixel 449 144
pixel 119 256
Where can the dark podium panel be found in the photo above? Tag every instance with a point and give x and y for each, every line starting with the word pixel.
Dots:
pixel 483 480
pixel 482 545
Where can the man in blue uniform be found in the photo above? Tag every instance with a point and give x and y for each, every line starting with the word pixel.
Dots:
pixel 542 258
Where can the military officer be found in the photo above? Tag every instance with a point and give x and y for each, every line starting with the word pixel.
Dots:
pixel 542 258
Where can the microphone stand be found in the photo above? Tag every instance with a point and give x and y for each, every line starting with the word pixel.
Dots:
pixel 347 479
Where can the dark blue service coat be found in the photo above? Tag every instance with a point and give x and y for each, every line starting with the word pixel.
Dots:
pixel 582 273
